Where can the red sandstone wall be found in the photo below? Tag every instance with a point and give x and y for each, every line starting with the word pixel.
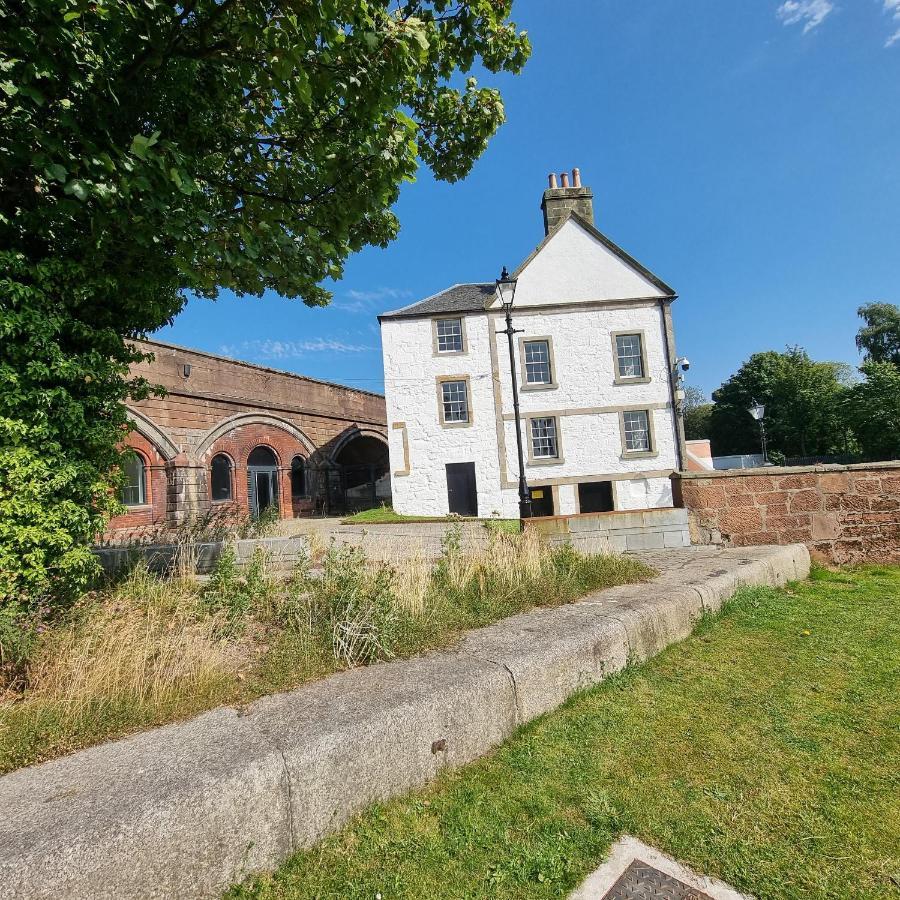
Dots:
pixel 219 388
pixel 844 514
pixel 204 392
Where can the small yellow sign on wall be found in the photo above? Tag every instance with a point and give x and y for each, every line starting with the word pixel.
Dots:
pixel 537 493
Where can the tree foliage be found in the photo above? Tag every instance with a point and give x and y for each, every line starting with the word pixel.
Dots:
pixel 803 406
pixel 697 412
pixel 873 409
pixel 150 147
pixel 879 338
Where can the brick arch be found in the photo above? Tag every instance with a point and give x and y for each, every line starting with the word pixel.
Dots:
pixel 242 420
pixel 237 437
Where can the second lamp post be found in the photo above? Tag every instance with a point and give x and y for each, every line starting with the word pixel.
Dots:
pixel 506 290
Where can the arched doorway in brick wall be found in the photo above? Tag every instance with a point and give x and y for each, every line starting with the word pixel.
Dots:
pixel 262 481
pixel 359 477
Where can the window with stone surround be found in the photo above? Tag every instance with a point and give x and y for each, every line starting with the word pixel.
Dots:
pixel 537 362
pixel 629 356
pixel 455 402
pixel 544 443
pixel 449 335
pixel 636 430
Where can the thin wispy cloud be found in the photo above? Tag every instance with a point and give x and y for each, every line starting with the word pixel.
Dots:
pixel 270 349
pixel 811 13
pixel 893 7
pixel 369 301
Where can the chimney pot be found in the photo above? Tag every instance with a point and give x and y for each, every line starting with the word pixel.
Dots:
pixel 559 202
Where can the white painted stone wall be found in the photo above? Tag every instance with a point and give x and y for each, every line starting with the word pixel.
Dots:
pixel 573 267
pixel 591 444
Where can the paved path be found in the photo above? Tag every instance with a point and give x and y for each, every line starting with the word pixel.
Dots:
pixel 188 809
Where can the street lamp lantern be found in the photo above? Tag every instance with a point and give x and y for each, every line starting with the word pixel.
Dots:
pixel 758 411
pixel 506 291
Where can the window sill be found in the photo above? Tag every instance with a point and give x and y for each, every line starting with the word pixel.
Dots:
pixel 618 380
pixel 539 387
pixel 449 352
pixel 137 507
pixel 456 424
pixel 546 461
pixel 639 454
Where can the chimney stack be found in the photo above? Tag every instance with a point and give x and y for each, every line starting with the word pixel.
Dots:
pixel 558 202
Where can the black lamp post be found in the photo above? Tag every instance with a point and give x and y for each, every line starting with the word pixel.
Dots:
pixel 758 411
pixel 506 290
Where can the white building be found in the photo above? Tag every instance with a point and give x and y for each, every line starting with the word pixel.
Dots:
pixel 594 367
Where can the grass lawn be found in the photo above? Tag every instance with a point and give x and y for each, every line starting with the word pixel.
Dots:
pixel 385 515
pixel 765 750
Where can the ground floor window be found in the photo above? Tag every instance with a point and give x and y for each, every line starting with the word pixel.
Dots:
pixel 298 477
pixel 220 477
pixel 134 490
pixel 595 496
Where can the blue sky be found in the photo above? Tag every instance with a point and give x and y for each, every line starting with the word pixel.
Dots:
pixel 746 151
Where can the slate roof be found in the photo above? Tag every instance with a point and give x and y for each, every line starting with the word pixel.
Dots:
pixel 460 298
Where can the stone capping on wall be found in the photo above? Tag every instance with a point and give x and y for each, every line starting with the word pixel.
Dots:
pixel 188 809
pixel 845 514
pixel 790 470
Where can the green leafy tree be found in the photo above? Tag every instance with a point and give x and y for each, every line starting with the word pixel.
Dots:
pixel 697 412
pixel 803 406
pixel 879 338
pixel 150 148
pixel 873 409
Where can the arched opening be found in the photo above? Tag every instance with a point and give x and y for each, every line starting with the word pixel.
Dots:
pixel 134 486
pixel 220 486
pixel 299 486
pixel 362 474
pixel 262 480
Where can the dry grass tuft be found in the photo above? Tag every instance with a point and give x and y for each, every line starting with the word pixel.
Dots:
pixel 144 644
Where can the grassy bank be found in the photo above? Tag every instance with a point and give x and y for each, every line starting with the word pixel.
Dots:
pixel 763 750
pixel 153 650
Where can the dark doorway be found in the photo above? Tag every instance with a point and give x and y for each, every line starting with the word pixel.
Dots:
pixel 595 496
pixel 462 495
pixel 542 501
pixel 262 481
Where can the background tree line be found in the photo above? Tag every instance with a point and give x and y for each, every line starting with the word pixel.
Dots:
pixel 812 408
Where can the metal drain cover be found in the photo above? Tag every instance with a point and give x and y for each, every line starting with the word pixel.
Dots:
pixel 641 881
pixel 634 870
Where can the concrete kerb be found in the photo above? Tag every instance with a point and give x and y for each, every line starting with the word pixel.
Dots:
pixel 188 809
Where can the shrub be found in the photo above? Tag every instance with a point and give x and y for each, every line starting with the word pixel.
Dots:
pixel 357 605
pixel 233 594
